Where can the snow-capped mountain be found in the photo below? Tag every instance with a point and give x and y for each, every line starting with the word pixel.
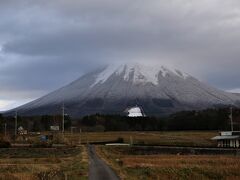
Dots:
pixel 114 88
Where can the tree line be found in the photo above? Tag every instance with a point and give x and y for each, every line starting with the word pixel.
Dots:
pixel 209 119
pixel 34 123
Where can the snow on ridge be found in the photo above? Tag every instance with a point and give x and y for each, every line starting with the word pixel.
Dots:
pixel 141 73
pixel 182 74
pixel 105 74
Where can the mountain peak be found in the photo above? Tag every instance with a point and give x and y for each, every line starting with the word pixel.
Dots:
pixel 137 73
pixel 110 90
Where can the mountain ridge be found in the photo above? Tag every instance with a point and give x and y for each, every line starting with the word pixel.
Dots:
pixel 112 89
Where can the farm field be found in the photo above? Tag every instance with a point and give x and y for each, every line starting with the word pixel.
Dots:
pixel 164 138
pixel 168 138
pixel 130 166
pixel 43 163
pixel 71 161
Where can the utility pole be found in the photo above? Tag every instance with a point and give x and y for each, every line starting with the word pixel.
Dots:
pixel 63 114
pixel 231 117
pixel 80 131
pixel 131 141
pixel 5 129
pixel 16 119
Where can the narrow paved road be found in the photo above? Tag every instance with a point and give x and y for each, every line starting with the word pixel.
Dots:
pixel 98 169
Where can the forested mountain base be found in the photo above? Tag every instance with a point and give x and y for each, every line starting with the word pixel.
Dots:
pixel 210 119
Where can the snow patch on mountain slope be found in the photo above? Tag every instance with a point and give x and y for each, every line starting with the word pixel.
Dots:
pixel 137 73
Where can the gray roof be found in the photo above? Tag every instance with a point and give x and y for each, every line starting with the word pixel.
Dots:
pixel 225 137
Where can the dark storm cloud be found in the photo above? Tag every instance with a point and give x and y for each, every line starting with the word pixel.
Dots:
pixel 46 44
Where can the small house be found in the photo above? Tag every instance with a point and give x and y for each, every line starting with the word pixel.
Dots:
pixel 228 139
pixel 22 131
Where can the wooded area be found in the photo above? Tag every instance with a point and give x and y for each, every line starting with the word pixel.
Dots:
pixel 210 119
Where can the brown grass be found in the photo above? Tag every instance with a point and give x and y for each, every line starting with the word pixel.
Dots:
pixel 58 166
pixel 175 138
pixel 138 167
pixel 179 138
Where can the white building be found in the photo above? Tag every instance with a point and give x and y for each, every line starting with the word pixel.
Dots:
pixel 228 139
pixel 22 131
pixel 135 112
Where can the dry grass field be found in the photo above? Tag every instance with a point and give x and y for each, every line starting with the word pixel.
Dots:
pixel 136 167
pixel 174 138
pixel 72 163
pixel 35 163
pixel 169 138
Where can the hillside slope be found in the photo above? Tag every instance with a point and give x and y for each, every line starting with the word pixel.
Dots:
pixel 112 89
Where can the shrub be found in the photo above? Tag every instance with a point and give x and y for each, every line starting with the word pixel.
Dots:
pixel 58 139
pixel 39 144
pixel 5 144
pixel 120 140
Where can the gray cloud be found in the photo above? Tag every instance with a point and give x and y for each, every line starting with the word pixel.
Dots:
pixel 46 44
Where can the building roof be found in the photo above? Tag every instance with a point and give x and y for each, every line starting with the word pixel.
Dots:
pixel 20 128
pixel 225 137
pixel 230 133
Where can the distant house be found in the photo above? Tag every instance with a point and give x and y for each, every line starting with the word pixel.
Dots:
pixel 228 139
pixel 135 112
pixel 22 131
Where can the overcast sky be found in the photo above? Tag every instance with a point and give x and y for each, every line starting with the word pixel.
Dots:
pixel 45 44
